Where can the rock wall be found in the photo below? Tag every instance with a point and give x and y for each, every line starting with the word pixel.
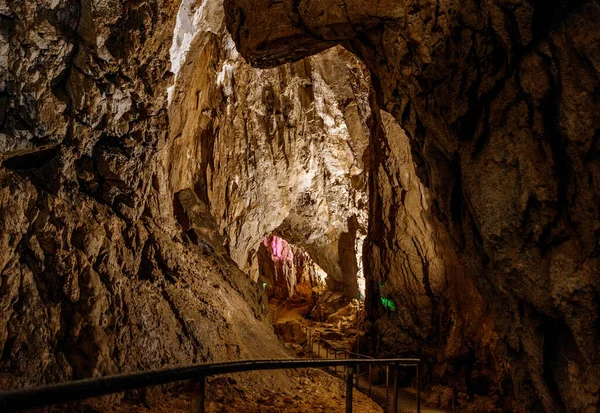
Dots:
pixel 139 155
pixel 276 151
pixel 96 274
pixel 499 100
pixel 418 298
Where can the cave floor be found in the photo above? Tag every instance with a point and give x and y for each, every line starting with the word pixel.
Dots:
pixel 312 390
pixel 342 334
pixel 407 399
pixel 315 391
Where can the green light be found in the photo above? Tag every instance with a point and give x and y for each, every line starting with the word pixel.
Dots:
pixel 388 303
pixel 264 285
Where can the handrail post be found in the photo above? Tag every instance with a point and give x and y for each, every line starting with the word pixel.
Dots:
pixel 387 388
pixel 396 386
pixel 335 357
pixel 349 379
pixel 418 387
pixel 370 377
pixel 198 395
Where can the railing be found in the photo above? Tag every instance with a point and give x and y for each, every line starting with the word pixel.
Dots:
pixel 17 400
pixel 313 338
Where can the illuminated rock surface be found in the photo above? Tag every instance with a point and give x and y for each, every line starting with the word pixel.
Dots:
pixel 276 151
pixel 128 189
pixel 499 100
pixel 144 161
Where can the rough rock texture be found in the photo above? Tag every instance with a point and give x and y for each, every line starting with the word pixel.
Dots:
pixel 85 293
pixel 275 151
pixel 432 310
pixel 287 270
pixel 96 276
pixel 500 102
pixel 139 153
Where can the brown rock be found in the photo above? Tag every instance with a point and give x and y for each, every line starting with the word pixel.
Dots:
pixel 130 178
pixel 499 107
pixel 290 332
pixel 96 275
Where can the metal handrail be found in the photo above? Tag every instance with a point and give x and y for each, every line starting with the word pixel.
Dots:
pixel 311 335
pixel 30 398
pixel 342 350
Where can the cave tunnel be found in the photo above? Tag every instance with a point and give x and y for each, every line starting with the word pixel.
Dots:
pixel 286 271
pixel 195 181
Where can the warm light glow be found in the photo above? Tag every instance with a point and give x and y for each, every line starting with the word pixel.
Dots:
pixel 360 275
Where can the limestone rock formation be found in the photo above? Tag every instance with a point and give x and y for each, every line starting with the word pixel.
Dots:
pixel 140 154
pixel 500 102
pixel 419 299
pixel 143 161
pixel 275 151
pixel 96 274
pixel 286 271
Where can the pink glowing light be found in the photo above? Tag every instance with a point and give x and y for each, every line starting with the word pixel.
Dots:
pixel 280 249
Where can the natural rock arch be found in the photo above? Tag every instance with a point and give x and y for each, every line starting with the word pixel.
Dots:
pixel 499 101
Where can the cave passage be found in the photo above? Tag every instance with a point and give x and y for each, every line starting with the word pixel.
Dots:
pixel 286 271
pixel 182 181
pixel 300 296
pixel 295 285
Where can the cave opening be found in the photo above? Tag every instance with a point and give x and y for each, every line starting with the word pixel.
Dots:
pixel 298 289
pixel 286 271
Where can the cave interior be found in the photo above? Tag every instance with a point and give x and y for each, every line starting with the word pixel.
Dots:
pixel 195 181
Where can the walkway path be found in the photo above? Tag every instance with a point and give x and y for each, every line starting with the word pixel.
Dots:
pixel 407 401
